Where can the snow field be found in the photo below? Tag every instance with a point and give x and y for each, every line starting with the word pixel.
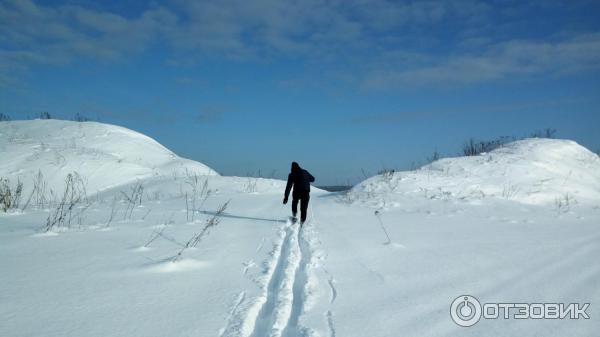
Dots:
pixel 496 226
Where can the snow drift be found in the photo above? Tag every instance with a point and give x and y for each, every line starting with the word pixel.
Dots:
pixel 105 155
pixel 530 171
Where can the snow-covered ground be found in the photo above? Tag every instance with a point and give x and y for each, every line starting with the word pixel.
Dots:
pixel 519 224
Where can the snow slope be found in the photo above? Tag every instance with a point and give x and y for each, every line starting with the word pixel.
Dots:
pixel 348 272
pixel 106 155
pixel 532 171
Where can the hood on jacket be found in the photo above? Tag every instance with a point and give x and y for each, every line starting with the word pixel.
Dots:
pixel 295 167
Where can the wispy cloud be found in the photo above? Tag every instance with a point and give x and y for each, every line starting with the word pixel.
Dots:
pixel 385 44
pixel 494 62
pixel 33 34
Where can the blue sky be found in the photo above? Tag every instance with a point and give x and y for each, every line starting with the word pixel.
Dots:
pixel 339 86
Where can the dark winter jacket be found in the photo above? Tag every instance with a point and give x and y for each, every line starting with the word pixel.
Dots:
pixel 300 179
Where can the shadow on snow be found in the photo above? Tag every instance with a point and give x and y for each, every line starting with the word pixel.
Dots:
pixel 227 215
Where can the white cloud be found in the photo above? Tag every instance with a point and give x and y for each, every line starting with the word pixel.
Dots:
pixel 384 43
pixel 32 34
pixel 497 61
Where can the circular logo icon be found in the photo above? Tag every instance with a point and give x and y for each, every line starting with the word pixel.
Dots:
pixel 465 310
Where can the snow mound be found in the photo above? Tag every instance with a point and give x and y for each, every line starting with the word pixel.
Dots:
pixel 104 155
pixel 530 171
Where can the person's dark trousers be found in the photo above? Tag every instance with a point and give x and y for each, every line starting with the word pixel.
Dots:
pixel 303 197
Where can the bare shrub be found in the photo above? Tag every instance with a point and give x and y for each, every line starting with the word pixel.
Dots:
pixel 346 197
pixel 378 215
pixel 79 214
pixel 4 117
pixel 28 200
pixel 160 233
pixel 40 185
pixel 113 211
pixel 71 205
pixel 195 199
pixel 474 148
pixel 154 196
pixel 509 191
pixel 365 175
pixel 386 171
pixel 80 118
pixel 470 148
pixel 133 199
pixel 10 197
pixel 38 194
pixel 545 133
pixel 434 157
pixel 387 176
pixel 251 185
pixel 197 237
pixel 80 185
pixel 155 235
pixel 564 203
pixel 146 214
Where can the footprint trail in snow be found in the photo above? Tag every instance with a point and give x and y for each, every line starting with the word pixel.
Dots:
pixel 279 314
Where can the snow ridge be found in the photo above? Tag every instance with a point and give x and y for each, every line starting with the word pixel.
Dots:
pixel 104 155
pixel 530 171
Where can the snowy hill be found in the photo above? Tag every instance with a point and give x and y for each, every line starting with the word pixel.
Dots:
pixel 105 155
pixel 531 171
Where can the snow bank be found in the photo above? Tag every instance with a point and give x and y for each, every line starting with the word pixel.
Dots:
pixel 530 171
pixel 104 155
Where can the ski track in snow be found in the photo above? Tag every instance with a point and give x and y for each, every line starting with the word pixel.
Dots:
pixel 300 281
pixel 285 297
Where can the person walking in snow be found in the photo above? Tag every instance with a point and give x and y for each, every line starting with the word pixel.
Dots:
pixel 299 179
